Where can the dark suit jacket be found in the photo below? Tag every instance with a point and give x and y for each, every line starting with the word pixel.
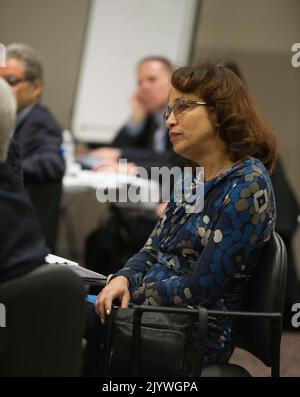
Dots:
pixel 22 247
pixel 137 149
pixel 39 137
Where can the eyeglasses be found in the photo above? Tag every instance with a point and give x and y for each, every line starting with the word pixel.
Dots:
pixel 13 80
pixel 181 106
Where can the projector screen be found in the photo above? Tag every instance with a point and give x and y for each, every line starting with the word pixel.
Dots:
pixel 119 34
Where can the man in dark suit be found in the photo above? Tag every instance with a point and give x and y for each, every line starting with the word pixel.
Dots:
pixel 22 245
pixel 37 133
pixel 144 140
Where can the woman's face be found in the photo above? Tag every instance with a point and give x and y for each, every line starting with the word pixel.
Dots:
pixel 191 132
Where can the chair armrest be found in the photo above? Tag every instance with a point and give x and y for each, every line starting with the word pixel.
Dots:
pixel 177 310
pixel 244 314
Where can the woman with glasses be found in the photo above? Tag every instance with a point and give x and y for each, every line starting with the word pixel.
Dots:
pixel 207 257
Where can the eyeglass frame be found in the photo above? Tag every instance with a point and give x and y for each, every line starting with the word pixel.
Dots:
pixel 16 82
pixel 170 110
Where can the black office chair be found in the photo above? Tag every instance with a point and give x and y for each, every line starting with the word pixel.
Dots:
pixel 46 198
pixel 260 318
pixel 45 319
pixel 259 329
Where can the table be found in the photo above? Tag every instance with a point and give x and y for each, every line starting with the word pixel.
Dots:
pixel 82 212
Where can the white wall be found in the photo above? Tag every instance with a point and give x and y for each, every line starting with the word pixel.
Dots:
pixel 55 28
pixel 119 34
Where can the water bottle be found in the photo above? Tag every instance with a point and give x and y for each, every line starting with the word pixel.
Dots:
pixel 68 150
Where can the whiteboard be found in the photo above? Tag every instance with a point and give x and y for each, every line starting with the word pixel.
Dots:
pixel 119 34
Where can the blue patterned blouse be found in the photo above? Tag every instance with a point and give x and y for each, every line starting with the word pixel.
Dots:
pixel 207 257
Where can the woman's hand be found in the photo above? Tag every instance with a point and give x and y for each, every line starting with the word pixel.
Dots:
pixel 160 209
pixel 116 289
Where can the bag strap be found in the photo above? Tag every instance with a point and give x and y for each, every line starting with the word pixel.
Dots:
pixel 200 348
pixel 109 330
pixel 136 341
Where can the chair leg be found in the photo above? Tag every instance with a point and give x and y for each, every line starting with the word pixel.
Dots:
pixel 275 345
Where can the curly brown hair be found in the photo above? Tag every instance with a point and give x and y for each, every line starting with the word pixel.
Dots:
pixel 230 109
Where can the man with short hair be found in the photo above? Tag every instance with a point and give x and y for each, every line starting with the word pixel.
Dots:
pixel 144 139
pixel 144 142
pixel 38 134
pixel 22 245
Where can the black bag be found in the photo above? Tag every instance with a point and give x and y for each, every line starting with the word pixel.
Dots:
pixel 155 341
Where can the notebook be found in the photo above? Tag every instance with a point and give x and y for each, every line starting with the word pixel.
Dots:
pixel 89 277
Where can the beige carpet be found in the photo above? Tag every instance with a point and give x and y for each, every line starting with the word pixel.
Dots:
pixel 290 358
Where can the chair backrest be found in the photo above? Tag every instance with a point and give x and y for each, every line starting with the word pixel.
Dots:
pixel 46 198
pixel 266 293
pixel 45 318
